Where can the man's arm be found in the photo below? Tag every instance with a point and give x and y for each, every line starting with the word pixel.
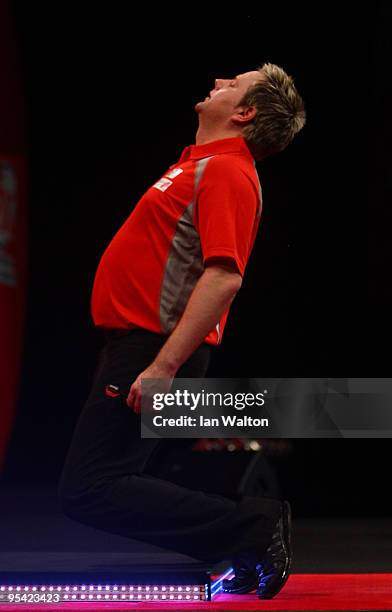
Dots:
pixel 212 295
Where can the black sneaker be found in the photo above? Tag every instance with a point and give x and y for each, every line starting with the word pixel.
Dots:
pixel 273 570
pixel 245 578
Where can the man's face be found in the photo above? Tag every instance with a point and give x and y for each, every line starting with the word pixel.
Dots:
pixel 226 95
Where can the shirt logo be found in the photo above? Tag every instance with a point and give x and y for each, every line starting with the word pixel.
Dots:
pixel 163 184
pixel 173 173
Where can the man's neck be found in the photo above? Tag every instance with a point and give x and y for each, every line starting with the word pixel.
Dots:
pixel 205 135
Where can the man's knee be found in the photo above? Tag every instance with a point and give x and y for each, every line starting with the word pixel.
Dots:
pixel 73 498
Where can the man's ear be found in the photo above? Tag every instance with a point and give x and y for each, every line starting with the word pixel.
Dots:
pixel 243 115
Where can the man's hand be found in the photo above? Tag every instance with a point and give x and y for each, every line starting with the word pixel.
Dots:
pixel 156 371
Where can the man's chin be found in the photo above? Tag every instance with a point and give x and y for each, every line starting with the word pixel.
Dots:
pixel 201 104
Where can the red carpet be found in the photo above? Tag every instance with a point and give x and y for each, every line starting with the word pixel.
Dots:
pixel 302 592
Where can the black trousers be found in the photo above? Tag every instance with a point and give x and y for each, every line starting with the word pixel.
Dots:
pixel 104 484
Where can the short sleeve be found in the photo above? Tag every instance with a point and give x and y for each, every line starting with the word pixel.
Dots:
pixel 225 212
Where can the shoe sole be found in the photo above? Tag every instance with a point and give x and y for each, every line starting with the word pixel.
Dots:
pixel 287 537
pixel 243 590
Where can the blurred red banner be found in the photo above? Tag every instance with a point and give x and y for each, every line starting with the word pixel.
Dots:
pixel 13 226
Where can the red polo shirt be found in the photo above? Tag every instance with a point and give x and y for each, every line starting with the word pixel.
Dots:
pixel 208 204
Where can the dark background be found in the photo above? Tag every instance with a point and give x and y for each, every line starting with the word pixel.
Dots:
pixel 110 98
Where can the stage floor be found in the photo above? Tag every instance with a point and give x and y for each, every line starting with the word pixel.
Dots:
pixel 303 592
pixel 338 564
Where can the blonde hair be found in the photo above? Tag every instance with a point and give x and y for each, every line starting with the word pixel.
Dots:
pixel 280 112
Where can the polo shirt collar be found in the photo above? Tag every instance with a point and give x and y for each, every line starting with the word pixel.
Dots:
pixel 216 147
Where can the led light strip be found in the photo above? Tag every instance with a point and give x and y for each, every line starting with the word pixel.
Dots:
pixel 216 585
pixel 54 594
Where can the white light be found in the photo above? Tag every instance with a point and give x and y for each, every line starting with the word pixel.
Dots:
pixel 188 589
pixel 139 596
pixel 139 588
pixel 99 588
pixel 195 597
pixel 195 589
pixel 90 596
pixel 91 588
pixel 114 596
pixel 254 445
pixel 180 597
pixel 155 588
pixel 50 588
pixel 18 588
pixel 171 596
pixel 98 596
pixel 123 588
pixel 155 596
pixel 106 596
pixel 179 589
pixel 11 589
pixel 75 588
pixel 122 596
pixel 115 588
pixel 188 596
pixel 83 597
pixel 42 589
pixel 171 588
pixel 130 588
pixel 148 596
pixel 65 596
pixel 73 596
pixel 163 588
pixel 66 588
pixel 2 588
pixel 163 596
pixel 107 588
pixel 59 588
pixel 26 589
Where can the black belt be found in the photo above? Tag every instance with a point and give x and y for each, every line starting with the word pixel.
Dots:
pixel 117 333
pixel 109 334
